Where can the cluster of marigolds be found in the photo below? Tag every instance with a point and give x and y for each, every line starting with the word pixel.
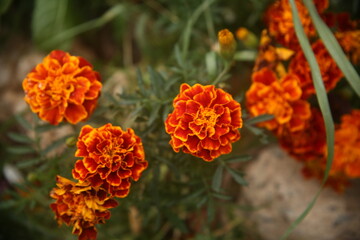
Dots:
pixel 65 87
pixel 282 86
pixel 205 120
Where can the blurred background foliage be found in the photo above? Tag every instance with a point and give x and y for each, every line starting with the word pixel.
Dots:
pixel 154 45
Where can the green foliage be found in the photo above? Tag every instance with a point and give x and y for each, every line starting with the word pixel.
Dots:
pixel 158 45
pixel 49 19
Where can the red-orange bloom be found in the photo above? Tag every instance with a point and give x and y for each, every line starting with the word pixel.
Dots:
pixel 308 144
pixel 281 98
pixel 205 121
pixel 347 145
pixel 330 72
pixel 280 23
pixel 350 42
pixel 111 157
pixel 62 86
pixel 81 206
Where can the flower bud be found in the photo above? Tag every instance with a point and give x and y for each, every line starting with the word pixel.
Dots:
pixel 227 44
pixel 248 38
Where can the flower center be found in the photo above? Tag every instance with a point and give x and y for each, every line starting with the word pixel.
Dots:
pixel 113 153
pixel 207 116
pixel 60 88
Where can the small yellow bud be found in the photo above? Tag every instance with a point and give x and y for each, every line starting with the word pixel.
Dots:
pixel 227 44
pixel 248 38
pixel 242 33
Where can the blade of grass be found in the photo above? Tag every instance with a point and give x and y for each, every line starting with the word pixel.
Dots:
pixel 92 24
pixel 334 48
pixel 324 106
pixel 194 17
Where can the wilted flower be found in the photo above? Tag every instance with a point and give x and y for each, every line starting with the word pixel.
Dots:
pixel 205 121
pixel 110 158
pixel 280 23
pixel 81 206
pixel 347 145
pixel 330 72
pixel 62 86
pixel 227 43
pixel 281 98
pixel 270 56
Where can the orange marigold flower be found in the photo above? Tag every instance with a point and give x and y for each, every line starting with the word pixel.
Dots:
pixel 62 86
pixel 280 24
pixel 80 205
pixel 205 121
pixel 347 145
pixel 309 143
pixel 350 42
pixel 281 98
pixel 110 158
pixel 330 72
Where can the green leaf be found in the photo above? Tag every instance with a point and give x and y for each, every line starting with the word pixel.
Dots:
pixel 157 83
pixel 154 114
pixel 245 55
pixel 28 162
pixel 324 106
pixel 200 203
pixel 239 158
pixel 171 82
pixel 211 65
pixel 221 196
pixel 334 48
pixel 20 138
pixel 21 150
pixel 237 176
pixel 48 20
pixel 23 122
pixel 217 178
pixel 178 57
pixel 260 118
pixel 255 130
pixel 141 83
pixel 194 195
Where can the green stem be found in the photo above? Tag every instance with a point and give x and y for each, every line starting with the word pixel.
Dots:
pixel 223 73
